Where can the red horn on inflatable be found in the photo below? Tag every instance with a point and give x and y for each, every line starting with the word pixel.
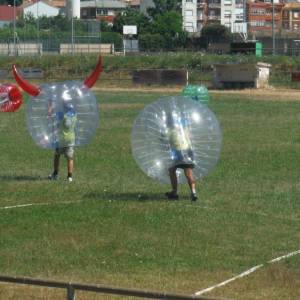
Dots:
pixel 10 97
pixel 90 81
pixel 29 88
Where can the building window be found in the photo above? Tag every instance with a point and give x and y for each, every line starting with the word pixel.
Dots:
pixel 84 12
pixel 239 17
pixel 296 14
pixel 102 11
pixel 257 23
pixel 190 1
pixel 227 13
pixel 188 13
pixel 258 12
pixel 189 26
pixel 227 2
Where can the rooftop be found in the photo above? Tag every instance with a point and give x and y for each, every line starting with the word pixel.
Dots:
pixel 6 13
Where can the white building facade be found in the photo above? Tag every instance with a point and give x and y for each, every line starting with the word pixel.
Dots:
pixel 232 11
pixel 39 9
pixel 189 15
pixel 198 13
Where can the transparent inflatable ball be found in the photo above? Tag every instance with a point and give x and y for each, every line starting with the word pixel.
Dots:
pixel 176 131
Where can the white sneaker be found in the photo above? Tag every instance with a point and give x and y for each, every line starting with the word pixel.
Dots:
pixel 70 179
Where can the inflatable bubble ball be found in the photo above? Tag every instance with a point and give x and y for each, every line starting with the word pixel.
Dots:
pixel 173 131
pixel 46 112
pixel 63 113
pixel 196 92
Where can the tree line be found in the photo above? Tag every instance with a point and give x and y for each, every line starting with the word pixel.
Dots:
pixel 160 29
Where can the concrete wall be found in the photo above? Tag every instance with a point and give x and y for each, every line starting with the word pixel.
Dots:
pixel 20 48
pixel 87 48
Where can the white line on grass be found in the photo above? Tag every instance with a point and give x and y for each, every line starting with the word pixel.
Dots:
pixel 16 206
pixel 39 204
pixel 245 273
pixel 251 270
pixel 183 205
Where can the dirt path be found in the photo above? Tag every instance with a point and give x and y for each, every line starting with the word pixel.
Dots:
pixel 270 94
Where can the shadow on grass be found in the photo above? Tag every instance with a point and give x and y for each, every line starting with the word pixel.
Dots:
pixel 125 196
pixel 20 178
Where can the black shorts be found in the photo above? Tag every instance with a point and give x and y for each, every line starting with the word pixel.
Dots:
pixel 182 158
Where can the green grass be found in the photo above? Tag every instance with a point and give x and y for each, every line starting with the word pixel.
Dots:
pixel 117 229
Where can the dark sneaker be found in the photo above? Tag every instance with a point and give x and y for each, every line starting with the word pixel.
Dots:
pixel 171 196
pixel 194 197
pixel 53 177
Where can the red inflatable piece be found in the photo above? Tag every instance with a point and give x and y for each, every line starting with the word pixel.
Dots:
pixel 10 97
pixel 90 81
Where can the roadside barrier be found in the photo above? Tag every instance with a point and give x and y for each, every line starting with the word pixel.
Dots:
pixel 71 288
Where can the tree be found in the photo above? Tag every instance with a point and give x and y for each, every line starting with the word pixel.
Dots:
pixel 169 25
pixel 216 33
pixel 152 42
pixel 131 17
pixel 163 27
pixel 163 6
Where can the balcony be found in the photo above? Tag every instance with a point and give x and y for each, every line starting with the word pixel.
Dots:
pixel 239 5
pixel 201 5
pixel 214 5
pixel 215 18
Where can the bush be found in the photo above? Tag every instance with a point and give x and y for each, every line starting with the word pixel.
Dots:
pixel 151 42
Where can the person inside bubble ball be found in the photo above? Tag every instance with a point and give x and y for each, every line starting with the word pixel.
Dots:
pixel 66 139
pixel 181 153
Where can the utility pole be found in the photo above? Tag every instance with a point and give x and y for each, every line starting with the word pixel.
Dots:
pixel 273 28
pixel 38 26
pixel 14 27
pixel 72 25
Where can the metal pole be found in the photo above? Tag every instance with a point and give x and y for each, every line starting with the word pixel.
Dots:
pixel 124 45
pixel 273 29
pixel 38 26
pixel 15 28
pixel 244 11
pixel 72 25
pixel 70 293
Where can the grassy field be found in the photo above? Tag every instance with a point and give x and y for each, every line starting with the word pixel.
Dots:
pixel 113 226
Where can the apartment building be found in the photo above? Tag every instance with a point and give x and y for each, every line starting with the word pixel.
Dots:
pixel 260 16
pixel 291 17
pixel 104 9
pixel 198 13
